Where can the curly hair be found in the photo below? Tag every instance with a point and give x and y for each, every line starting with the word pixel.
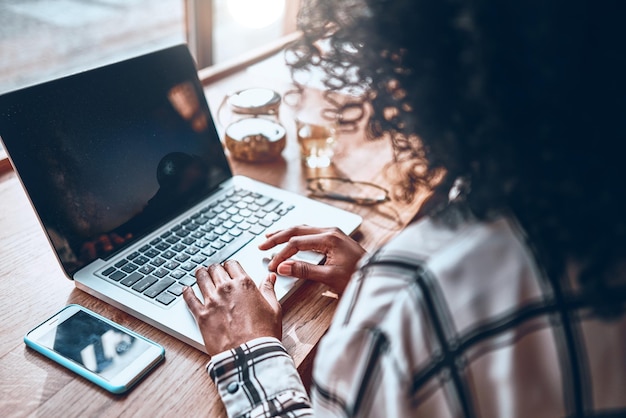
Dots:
pixel 525 100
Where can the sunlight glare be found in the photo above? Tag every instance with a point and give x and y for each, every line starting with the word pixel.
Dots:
pixel 256 14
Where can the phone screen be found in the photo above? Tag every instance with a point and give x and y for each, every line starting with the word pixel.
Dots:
pixel 94 344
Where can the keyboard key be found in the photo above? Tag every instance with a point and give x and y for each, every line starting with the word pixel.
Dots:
pixel 173 239
pixel 117 276
pixel 198 234
pixel 220 230
pixel 282 211
pixel 132 279
pixel 182 257
pixel 160 273
pixel 147 269
pixel 257 229
pixel 202 220
pixel 171 265
pixel 229 224
pixel 263 200
pixel 141 260
pixel 266 222
pixel 179 247
pixel 144 283
pixel 237 219
pixel 168 254
pixel 192 250
pixel 196 215
pixel 209 251
pixel 121 263
pixel 218 245
pixel 227 238
pixel 144 248
pixel 241 205
pixel 162 246
pixel 202 243
pixel 129 268
pixel 187 281
pixel 244 226
pixel 155 241
pixel 157 262
pixel 188 266
pixel 189 241
pixel 198 259
pixel 176 228
pixel 176 289
pixel 166 234
pixel 229 249
pixel 260 214
pixel 235 232
pixel 192 227
pixel 186 222
pixel 133 255
pixel 177 274
pixel 182 233
pixel 166 298
pixel 108 271
pixel 151 253
pixel 272 205
pixel 158 287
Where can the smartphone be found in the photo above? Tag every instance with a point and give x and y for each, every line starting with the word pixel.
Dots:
pixel 96 348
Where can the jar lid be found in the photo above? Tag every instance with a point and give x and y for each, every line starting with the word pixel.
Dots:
pixel 255 101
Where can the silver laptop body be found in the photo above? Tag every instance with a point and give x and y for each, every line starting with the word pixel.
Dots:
pixel 128 177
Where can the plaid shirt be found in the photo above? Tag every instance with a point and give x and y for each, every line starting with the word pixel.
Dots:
pixel 444 323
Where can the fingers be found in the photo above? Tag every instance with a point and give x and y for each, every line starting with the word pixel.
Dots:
pixel 267 290
pixel 314 242
pixel 304 270
pixel 234 270
pixel 205 283
pixel 279 237
pixel 192 301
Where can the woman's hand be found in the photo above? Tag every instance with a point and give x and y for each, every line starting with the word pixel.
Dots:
pixel 342 254
pixel 234 310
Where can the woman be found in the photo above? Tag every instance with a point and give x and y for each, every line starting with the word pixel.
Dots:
pixel 508 298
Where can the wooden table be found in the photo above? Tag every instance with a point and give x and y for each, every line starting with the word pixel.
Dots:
pixel 33 286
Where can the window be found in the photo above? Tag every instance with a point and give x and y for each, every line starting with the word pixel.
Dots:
pixel 47 39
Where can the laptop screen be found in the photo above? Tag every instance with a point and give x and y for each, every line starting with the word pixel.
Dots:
pixel 108 155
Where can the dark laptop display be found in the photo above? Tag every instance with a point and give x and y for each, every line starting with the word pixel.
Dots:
pixel 106 166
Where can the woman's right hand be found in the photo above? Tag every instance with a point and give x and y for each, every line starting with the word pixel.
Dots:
pixel 342 254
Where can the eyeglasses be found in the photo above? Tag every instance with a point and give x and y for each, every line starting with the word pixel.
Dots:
pixel 359 192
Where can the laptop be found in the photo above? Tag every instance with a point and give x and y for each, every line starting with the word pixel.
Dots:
pixel 126 172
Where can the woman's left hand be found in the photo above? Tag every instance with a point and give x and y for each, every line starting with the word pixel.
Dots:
pixel 234 310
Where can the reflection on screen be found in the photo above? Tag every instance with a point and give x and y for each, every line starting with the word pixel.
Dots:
pixel 109 154
pixel 95 344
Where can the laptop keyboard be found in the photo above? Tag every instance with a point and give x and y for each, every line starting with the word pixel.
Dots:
pixel 160 269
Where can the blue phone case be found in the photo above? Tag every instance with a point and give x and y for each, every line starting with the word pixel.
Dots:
pixel 81 370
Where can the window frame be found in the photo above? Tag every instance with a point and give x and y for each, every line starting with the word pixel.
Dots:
pixel 200 38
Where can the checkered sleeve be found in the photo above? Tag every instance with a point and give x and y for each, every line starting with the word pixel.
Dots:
pixel 259 379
